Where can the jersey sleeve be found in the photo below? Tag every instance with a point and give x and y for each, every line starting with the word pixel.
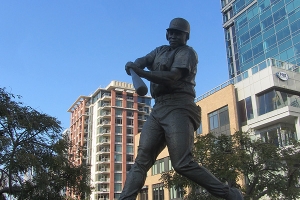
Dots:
pixel 185 58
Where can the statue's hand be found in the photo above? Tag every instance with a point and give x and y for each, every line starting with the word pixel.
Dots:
pixel 130 65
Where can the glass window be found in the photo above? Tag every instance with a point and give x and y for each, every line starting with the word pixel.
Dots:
pixel 242 112
pixel 129 158
pixel 119 112
pixel 270 43
pixel 265 103
pixel 258 49
pixel 118 157
pixel 118 167
pixel 255 30
pixel 219 121
pixel 129 104
pixel 285 45
pixel 284 33
pixel 244 38
pixel 129 131
pixel 118 187
pixel 199 130
pixel 129 139
pixel 281 25
pixel 144 194
pixel 176 193
pixel 118 129
pixel 267 23
pixel 129 149
pixel 247 56
pixel 118 120
pixel 213 120
pixel 279 15
pixel 118 147
pixel 249 108
pixel 158 192
pixel 254 69
pixel 295 27
pixel 224 117
pixel 118 138
pixel 119 103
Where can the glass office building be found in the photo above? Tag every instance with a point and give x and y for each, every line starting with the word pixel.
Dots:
pixel 259 29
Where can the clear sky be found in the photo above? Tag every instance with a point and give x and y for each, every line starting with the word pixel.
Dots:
pixel 53 51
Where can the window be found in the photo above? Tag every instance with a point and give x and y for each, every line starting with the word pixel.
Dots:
pixel 249 108
pixel 129 158
pixel 118 129
pixel 118 177
pixel 118 157
pixel 119 112
pixel 265 103
pixel 144 194
pixel 118 138
pixel 160 166
pixel 118 148
pixel 219 121
pixel 118 120
pixel 158 192
pixel 119 103
pixel 129 131
pixel 276 99
pixel 129 104
pixel 129 149
pixel 176 193
pixel 130 122
pixel 118 167
pixel 213 120
pixel 129 113
pixel 129 140
pixel 199 130
pixel 118 187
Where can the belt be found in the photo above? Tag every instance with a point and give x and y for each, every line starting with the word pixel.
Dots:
pixel 165 97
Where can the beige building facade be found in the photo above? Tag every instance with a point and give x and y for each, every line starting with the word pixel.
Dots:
pixel 264 100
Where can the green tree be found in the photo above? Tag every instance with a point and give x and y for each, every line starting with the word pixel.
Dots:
pixel 34 154
pixel 266 168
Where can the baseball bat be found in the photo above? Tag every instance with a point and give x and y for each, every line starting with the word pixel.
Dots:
pixel 139 85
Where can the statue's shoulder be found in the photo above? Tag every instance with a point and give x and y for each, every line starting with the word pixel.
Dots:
pixel 186 49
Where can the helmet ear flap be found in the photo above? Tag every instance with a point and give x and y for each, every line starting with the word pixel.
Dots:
pixel 167 36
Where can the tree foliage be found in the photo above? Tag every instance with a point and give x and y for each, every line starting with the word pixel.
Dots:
pixel 33 154
pixel 258 168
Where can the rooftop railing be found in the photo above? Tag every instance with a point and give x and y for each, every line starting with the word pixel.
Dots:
pixel 253 70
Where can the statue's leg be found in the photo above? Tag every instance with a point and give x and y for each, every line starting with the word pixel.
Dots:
pixel 152 142
pixel 180 140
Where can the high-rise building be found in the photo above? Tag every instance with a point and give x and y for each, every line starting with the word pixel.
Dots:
pixel 103 125
pixel 259 29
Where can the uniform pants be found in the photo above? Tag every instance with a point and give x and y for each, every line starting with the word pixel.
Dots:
pixel 172 123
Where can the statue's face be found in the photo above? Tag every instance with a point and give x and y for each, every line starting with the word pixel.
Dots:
pixel 176 38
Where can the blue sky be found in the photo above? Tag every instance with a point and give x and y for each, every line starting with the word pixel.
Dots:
pixel 53 51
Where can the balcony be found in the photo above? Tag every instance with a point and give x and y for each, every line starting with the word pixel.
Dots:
pixel 105 133
pixel 105 96
pixel 104 180
pixel 105 123
pixel 104 150
pixel 105 114
pixel 104 190
pixel 104 160
pixel 104 171
pixel 104 141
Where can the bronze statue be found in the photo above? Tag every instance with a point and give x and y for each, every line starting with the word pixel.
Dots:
pixel 175 116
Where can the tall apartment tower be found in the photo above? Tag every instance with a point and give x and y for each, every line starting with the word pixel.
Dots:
pixel 104 125
pixel 259 29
